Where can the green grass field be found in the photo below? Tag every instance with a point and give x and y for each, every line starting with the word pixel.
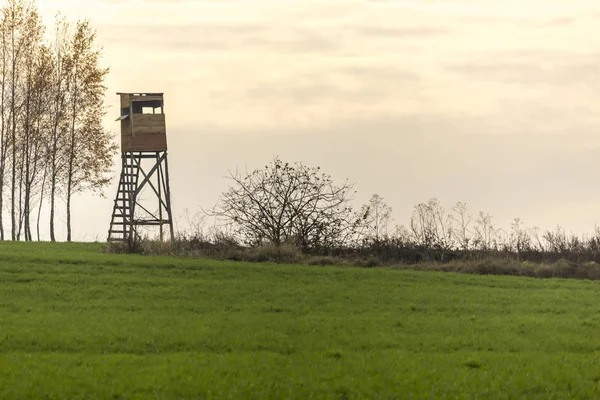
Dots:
pixel 79 324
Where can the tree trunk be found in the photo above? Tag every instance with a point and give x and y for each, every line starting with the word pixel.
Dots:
pixel 52 204
pixel 13 143
pixel 2 136
pixel 71 161
pixel 54 158
pixel 39 215
pixel 25 158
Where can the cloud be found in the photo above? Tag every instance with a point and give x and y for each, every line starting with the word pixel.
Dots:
pixel 381 73
pixel 554 22
pixel 388 32
pixel 219 38
pixel 509 72
pixel 295 40
pixel 313 93
pixel 166 1
pixel 341 85
pixel 532 73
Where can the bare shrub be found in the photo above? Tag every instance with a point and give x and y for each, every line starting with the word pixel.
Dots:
pixel 283 254
pixel 115 248
pixel 430 226
pixel 461 219
pixel 324 261
pixel 377 216
pixel 286 202
pixel 371 262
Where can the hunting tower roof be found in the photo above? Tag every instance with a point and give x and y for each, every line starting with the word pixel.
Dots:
pixel 142 94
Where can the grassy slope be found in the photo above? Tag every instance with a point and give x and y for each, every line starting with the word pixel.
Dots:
pixel 78 324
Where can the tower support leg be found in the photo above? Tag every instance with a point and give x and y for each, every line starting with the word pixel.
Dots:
pixel 144 175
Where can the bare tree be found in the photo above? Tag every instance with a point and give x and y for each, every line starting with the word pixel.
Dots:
pixel 485 233
pixel 403 236
pixel 286 202
pixel 377 216
pixel 519 239
pixel 431 226
pixel 593 242
pixel 461 221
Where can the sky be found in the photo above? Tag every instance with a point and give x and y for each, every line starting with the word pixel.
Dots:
pixel 489 102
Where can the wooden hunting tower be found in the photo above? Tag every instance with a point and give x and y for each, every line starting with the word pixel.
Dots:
pixel 144 165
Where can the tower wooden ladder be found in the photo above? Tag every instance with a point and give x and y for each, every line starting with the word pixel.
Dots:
pixel 123 212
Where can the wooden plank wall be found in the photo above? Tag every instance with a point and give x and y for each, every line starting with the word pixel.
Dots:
pixel 148 124
pixel 126 134
pixel 149 133
pixel 145 98
pixel 124 101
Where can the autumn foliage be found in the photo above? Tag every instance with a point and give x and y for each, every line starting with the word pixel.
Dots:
pixel 52 143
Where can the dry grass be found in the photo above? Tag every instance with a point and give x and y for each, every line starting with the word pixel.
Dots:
pixel 559 269
pixel 289 254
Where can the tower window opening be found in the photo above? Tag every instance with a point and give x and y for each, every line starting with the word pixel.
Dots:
pixel 147 107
